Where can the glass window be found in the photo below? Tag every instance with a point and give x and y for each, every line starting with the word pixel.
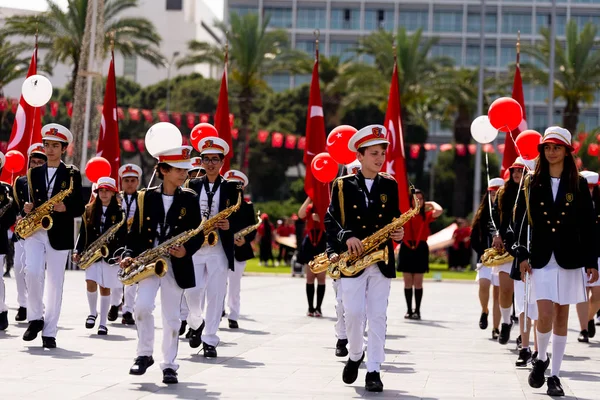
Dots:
pixel 582 20
pixel 590 121
pixel 447 21
pixel 307 46
pixel 345 18
pixel 130 67
pixel 474 22
pixel 543 21
pixel 540 121
pixel 280 17
pixel 379 19
pixel 584 1
pixel 413 20
pixel 513 22
pixel 368 59
pixel 489 53
pixel 302 79
pixel 242 10
pixel 453 51
pixel 508 56
pixel 278 82
pixel 540 93
pixel 342 49
pixel 174 5
pixel 312 18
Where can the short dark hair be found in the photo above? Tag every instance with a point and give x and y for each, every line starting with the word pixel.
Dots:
pixel 221 156
pixel 39 156
pixel 362 150
pixel 164 166
pixel 63 145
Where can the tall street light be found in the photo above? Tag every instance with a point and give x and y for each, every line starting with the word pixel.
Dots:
pixel 175 54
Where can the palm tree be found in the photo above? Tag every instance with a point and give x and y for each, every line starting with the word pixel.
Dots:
pixel 13 65
pixel 577 68
pixel 253 52
pixel 61 32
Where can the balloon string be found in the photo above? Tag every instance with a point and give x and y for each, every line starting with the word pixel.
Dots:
pixel 525 166
pixel 487 172
pixel 151 178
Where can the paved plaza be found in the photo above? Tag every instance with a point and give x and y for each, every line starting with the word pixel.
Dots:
pixel 279 353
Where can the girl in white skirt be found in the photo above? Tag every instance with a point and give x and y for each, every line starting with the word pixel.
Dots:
pixel 104 212
pixel 557 208
pixel 586 311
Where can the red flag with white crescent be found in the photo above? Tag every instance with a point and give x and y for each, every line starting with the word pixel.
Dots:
pixel 27 127
pixel 510 152
pixel 222 119
pixel 108 140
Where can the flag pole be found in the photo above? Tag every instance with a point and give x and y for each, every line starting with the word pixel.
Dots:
pixel 88 96
pixel 551 66
pixel 35 109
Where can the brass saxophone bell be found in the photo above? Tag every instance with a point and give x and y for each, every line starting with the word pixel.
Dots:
pixel 212 238
pixel 47 222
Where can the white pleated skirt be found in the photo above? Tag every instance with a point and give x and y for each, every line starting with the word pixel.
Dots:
pixel 487 273
pixel 595 284
pixel 502 268
pixel 561 286
pixel 532 309
pixel 104 274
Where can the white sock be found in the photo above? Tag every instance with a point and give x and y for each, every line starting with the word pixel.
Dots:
pixel 104 306
pixel 559 343
pixel 92 302
pixel 543 341
pixel 506 313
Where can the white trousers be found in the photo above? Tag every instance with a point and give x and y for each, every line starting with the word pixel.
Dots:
pixel 44 273
pixel 211 281
pixel 171 296
pixel 234 288
pixel 116 296
pixel 193 304
pixel 19 268
pixel 369 291
pixel 340 323
pixel 2 288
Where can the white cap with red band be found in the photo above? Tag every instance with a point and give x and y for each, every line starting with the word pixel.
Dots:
pixel 57 132
pixel 130 170
pixel 178 157
pixel 495 183
pixel 106 182
pixel 368 136
pixel 234 174
pixel 557 135
pixel 213 145
pixel 196 163
pixel 591 177
pixel 36 148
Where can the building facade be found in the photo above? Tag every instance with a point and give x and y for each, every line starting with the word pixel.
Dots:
pixel 341 24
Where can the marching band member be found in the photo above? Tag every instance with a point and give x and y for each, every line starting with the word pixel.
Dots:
pixel 482 234
pixel 360 205
pixel 98 218
pixel 314 243
pixel 505 201
pixel 162 213
pixel 557 209
pixel 37 158
pixel 242 251
pixel 413 260
pixel 130 176
pixel 212 262
pixel 8 214
pixel 47 251
pixel 198 170
pixel 587 310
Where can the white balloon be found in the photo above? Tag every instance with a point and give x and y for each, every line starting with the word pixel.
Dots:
pixel 162 136
pixel 482 130
pixel 37 90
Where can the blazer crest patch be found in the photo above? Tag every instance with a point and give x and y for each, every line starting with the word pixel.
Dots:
pixel 383 198
pixel 63 185
pixel 569 197
pixel 182 212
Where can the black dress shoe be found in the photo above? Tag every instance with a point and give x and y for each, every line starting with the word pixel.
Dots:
pixel 141 364
pixel 196 336
pixel 416 316
pixel 113 313
pixel 534 356
pixel 233 324
pixel 536 376
pixel 102 330
pixel 188 333
pixel 554 387
pixel 495 333
pixel 351 370
pixel 340 348
pixel 591 328
pixel 128 319
pixel 408 314
pixel 21 314
pixel 209 351
pixel 90 321
pixel 524 357
pixel 519 342
pixel 34 328
pixel 169 376
pixel 3 320
pixel 483 321
pixel 182 327
pixel 223 314
pixel 504 333
pixel 373 382
pixel 583 337
pixel 48 342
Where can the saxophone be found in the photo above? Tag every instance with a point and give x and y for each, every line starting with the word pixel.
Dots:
pixel 154 261
pixel 494 258
pixel 4 209
pixel 99 248
pixel 248 229
pixel 210 231
pixel 41 217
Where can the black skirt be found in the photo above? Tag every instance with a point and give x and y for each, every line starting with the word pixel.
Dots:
pixel 414 261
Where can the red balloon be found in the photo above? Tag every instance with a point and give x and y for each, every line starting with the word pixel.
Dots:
pixel 337 144
pixel 200 131
pixel 15 161
pixel 96 168
pixel 527 143
pixel 324 167
pixel 505 114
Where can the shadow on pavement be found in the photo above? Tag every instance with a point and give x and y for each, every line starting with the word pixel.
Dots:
pixel 181 390
pixel 587 376
pixel 389 394
pixel 62 354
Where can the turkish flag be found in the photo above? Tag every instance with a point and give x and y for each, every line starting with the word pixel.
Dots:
pixel 108 139
pixel 177 118
pixel 54 108
pixel 263 135
pixel 510 152
pixel 277 139
pixel 290 141
pixel 134 114
pixel 163 116
pixel 27 127
pixel 147 115
pixel 234 133
pixel 69 105
pixel 315 144
pixel 222 119
pixel 204 117
pixel 191 119
pixel 396 162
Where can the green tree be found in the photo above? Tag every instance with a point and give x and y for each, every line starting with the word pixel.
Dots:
pixel 576 68
pixel 254 51
pixel 12 64
pixel 61 32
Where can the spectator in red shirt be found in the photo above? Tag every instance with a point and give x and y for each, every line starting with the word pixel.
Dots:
pixel 459 253
pixel 265 239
